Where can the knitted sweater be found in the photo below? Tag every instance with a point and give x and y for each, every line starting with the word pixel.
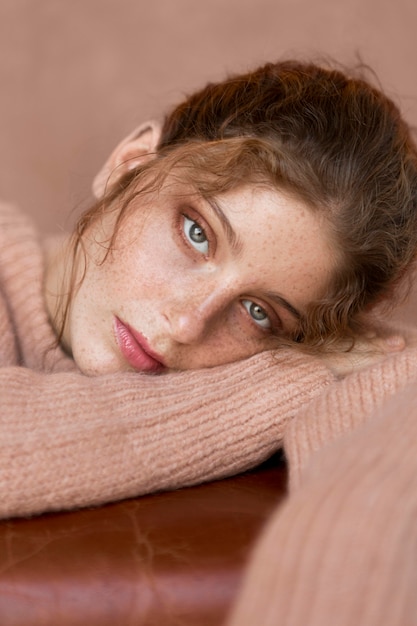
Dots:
pixel 342 549
pixel 68 440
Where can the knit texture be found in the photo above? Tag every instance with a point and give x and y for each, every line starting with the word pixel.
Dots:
pixel 342 549
pixel 67 440
pixel 342 408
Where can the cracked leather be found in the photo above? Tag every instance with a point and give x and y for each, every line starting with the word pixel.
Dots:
pixel 173 558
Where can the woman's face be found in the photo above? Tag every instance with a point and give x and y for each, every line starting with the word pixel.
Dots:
pixel 193 283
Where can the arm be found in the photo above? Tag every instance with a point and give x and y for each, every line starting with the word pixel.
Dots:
pixel 344 407
pixel 342 549
pixel 67 440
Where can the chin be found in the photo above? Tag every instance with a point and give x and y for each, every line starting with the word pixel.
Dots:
pixel 98 367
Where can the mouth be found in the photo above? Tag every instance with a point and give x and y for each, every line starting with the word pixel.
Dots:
pixel 135 349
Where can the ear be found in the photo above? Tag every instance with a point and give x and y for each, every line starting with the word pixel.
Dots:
pixel 131 152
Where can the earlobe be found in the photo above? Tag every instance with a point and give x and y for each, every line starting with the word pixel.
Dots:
pixel 131 152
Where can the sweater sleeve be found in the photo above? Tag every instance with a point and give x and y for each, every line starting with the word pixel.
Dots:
pixel 343 408
pixel 342 548
pixel 8 347
pixel 67 440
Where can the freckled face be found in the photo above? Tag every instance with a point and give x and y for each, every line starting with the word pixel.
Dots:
pixel 193 283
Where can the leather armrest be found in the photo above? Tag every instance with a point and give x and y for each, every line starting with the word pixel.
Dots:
pixel 166 559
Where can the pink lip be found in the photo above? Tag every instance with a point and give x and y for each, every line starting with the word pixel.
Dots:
pixel 135 349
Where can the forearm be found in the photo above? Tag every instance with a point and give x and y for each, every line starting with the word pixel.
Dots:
pixel 67 440
pixel 343 408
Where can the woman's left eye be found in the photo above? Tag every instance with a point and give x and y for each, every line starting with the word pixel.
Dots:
pixel 196 235
pixel 258 314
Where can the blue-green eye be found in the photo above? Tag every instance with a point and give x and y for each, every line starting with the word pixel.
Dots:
pixel 195 235
pixel 257 313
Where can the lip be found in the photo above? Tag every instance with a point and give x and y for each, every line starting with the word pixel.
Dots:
pixel 136 350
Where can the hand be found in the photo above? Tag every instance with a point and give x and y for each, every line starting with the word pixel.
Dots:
pixel 367 350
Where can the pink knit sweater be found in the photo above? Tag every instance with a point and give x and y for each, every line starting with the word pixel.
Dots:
pixel 343 547
pixel 67 440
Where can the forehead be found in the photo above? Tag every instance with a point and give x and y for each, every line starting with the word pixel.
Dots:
pixel 280 242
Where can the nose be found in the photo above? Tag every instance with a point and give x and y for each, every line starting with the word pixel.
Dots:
pixel 193 318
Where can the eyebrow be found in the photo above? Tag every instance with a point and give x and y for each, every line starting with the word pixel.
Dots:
pixel 236 245
pixel 285 304
pixel 232 237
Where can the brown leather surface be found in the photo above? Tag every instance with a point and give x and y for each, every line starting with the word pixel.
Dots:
pixel 168 559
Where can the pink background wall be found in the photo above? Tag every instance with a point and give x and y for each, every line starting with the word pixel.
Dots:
pixel 78 74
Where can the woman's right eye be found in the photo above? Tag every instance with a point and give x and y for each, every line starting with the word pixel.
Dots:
pixel 195 235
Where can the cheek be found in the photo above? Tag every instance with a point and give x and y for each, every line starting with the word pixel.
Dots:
pixel 232 339
pixel 149 265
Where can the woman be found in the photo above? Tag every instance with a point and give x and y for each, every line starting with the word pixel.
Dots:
pixel 270 211
pixel 323 163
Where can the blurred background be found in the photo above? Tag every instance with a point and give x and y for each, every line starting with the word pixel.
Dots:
pixel 76 75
